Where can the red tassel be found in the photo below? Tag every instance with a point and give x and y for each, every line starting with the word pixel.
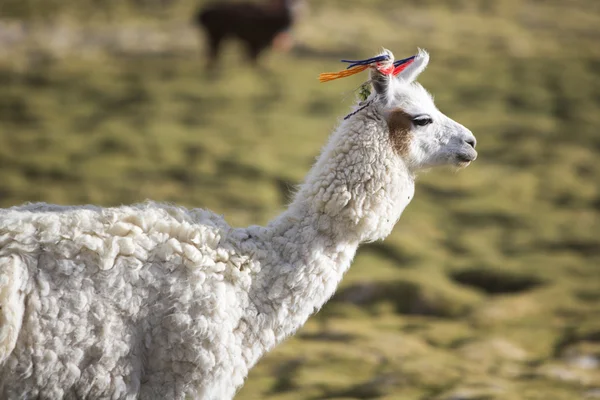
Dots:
pixel 402 67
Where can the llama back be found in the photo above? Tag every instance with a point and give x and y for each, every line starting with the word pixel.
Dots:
pixel 13 278
pixel 94 296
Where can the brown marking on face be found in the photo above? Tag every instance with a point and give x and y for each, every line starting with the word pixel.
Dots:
pixel 400 125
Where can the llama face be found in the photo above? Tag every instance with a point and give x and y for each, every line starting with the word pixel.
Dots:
pixel 422 135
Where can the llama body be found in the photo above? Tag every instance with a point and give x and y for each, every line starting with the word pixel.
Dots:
pixel 117 302
pixel 159 302
pixel 256 25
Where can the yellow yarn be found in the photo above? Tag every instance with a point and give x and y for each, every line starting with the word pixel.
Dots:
pixel 329 76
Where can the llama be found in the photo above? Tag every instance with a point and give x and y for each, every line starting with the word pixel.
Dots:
pixel 257 26
pixel 155 301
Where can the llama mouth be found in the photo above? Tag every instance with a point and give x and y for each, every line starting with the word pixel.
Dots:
pixel 464 159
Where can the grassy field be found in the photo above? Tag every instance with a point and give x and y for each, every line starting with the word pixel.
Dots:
pixel 489 287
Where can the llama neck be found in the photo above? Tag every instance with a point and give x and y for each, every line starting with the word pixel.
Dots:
pixel 300 268
pixel 355 193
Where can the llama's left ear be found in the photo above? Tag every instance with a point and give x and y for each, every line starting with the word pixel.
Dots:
pixel 412 71
pixel 381 81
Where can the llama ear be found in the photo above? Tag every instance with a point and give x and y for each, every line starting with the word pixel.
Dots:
pixel 380 82
pixel 412 71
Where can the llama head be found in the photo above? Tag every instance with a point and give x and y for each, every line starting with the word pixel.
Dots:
pixel 420 134
pixel 365 176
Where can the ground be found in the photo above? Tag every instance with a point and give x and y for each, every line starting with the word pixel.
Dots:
pixel 488 288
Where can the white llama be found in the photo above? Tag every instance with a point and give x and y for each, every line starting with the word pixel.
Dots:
pixel 159 302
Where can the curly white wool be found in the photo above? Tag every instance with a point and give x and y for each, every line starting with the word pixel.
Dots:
pixel 100 292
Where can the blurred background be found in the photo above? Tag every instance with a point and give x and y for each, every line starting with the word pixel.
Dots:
pixel 488 288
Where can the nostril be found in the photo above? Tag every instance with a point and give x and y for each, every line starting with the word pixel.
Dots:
pixel 471 142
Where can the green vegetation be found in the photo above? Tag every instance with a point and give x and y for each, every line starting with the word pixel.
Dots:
pixel 489 287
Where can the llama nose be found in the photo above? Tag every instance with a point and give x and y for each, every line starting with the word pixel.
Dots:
pixel 471 142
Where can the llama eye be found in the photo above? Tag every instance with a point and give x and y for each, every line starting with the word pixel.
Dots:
pixel 422 120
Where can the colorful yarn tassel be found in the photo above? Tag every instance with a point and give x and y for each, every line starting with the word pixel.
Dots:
pixel 381 62
pixel 401 65
pixel 368 61
pixel 355 67
pixel 329 76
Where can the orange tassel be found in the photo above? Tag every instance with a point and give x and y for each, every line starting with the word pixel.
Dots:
pixel 329 76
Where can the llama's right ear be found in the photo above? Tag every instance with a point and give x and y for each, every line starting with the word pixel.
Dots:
pixel 413 69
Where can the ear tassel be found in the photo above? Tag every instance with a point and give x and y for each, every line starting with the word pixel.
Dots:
pixel 401 65
pixel 329 76
pixel 368 61
pixel 381 63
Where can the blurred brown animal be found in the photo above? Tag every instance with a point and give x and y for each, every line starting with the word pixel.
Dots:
pixel 257 26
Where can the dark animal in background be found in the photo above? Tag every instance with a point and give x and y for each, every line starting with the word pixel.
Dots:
pixel 257 26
